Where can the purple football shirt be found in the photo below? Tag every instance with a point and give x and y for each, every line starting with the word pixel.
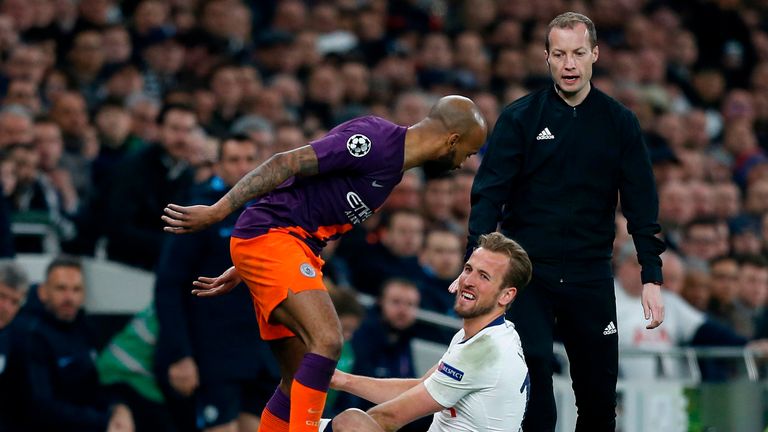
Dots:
pixel 359 161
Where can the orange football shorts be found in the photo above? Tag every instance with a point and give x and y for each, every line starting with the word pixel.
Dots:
pixel 271 265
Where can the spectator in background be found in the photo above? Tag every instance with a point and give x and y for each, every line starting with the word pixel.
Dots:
pixel 70 113
pixel 117 45
pixel 700 241
pixel 223 83
pixel 209 349
pixel 23 93
pixel 673 270
pixel 756 200
pixel 288 136
pixel 13 291
pixel 260 131
pixel 440 260
pixel 25 62
pixel 35 199
pixel 163 56
pixel 748 319
pixel 121 81
pixel 683 325
pixel 134 229
pixel 745 236
pixel 56 165
pixel 727 200
pixel 696 289
pixel 144 110
pixel 676 209
pixel 408 193
pixel 86 60
pixel 724 288
pixel 15 126
pixel 438 201
pixel 382 344
pixel 395 255
pixel 61 387
pixel 410 108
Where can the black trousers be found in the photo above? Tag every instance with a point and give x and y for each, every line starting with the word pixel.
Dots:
pixel 582 313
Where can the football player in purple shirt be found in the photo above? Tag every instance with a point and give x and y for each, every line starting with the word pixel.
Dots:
pixel 303 199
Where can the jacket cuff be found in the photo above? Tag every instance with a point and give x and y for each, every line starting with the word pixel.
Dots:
pixel 651 275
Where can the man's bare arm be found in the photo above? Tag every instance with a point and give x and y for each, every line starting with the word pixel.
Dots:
pixel 375 390
pixel 262 180
pixel 271 174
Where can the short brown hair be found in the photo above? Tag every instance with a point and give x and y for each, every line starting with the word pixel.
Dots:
pixel 569 20
pixel 520 267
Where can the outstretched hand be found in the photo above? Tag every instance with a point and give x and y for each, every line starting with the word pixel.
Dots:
pixel 183 220
pixel 212 287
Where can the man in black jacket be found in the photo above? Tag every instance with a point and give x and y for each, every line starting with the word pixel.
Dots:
pixel 556 162
pixel 61 387
pixel 143 183
pixel 211 347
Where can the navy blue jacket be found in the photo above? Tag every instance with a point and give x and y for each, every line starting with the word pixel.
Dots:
pixel 60 384
pixel 220 333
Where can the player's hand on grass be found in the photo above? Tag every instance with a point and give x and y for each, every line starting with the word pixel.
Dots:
pixel 212 287
pixel 182 220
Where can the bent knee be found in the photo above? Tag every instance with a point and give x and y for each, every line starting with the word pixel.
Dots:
pixel 326 342
pixel 353 419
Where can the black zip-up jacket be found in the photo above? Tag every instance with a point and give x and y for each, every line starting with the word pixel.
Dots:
pixel 552 175
pixel 220 333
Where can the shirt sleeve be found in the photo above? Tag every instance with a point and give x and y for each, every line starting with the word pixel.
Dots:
pixel 495 177
pixel 355 148
pixel 640 203
pixel 454 378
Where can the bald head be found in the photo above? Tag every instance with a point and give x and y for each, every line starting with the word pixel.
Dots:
pixel 453 130
pixel 460 115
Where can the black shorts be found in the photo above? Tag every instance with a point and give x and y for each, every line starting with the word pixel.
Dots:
pixel 220 403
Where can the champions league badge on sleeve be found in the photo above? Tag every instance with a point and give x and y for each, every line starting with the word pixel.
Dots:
pixel 359 145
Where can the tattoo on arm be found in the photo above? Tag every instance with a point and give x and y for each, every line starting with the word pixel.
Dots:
pixel 271 174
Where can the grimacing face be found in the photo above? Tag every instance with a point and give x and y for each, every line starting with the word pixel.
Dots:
pixel 570 59
pixel 480 285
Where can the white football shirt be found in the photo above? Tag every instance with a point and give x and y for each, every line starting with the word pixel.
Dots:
pixel 483 382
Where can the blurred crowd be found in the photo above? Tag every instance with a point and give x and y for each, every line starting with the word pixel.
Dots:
pixel 111 109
